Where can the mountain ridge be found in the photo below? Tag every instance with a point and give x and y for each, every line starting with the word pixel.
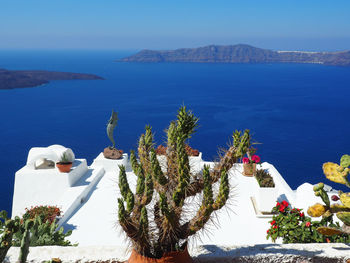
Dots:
pixel 240 53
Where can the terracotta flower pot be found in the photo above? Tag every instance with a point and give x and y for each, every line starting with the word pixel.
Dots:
pixel 169 257
pixel 64 167
pixel 249 169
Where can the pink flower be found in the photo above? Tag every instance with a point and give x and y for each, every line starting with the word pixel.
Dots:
pixel 245 160
pixel 307 224
pixel 256 158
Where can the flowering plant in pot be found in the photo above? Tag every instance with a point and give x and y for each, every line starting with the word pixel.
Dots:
pixel 267 192
pixel 154 216
pixel 65 163
pixel 249 164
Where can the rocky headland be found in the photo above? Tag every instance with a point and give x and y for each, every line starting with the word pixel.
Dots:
pixel 12 79
pixel 240 53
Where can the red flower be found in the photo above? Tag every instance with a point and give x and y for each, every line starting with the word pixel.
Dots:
pixel 282 208
pixel 256 158
pixel 273 222
pixel 278 204
pixel 245 160
pixel 301 214
pixel 275 226
pixel 307 224
pixel 285 203
pixel 268 230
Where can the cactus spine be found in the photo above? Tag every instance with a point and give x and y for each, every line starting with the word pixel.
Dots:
pixel 151 216
pixel 337 173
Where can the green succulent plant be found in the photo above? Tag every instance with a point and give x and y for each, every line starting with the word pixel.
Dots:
pixel 66 158
pixel 264 178
pixel 152 216
pixel 337 173
pixel 24 232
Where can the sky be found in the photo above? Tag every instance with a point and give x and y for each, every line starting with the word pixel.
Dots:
pixel 166 24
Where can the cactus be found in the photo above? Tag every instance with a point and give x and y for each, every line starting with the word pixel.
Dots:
pixel 317 210
pixel 345 161
pixel 151 217
pixel 337 173
pixel 10 226
pixel 345 199
pixel 25 242
pixel 329 231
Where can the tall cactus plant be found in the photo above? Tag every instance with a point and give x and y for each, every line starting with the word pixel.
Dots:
pixel 337 173
pixel 7 230
pixel 152 216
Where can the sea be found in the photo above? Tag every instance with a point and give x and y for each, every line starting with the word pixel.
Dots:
pixel 298 114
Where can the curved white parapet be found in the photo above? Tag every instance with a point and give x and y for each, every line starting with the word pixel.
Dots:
pixel 53 153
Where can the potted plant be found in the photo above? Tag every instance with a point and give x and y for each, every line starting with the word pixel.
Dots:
pixel 65 163
pixel 267 192
pixel 249 165
pixel 152 216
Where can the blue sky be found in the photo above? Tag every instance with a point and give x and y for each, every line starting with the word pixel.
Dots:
pixel 113 24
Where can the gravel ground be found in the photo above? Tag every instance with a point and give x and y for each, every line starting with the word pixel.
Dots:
pixel 298 253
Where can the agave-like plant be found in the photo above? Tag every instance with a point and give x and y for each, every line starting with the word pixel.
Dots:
pixel 153 216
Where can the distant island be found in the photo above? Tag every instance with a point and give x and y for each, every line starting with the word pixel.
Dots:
pixel 12 79
pixel 240 53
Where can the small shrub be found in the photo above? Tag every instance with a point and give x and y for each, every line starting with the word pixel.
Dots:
pixel 45 230
pixel 294 227
pixel 264 178
pixel 46 213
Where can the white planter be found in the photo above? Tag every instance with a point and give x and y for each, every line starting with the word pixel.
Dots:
pixel 266 198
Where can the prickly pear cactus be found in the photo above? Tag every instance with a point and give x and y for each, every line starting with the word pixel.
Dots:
pixel 338 174
pixel 317 210
pixel 152 216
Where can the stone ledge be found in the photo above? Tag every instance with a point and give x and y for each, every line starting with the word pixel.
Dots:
pixel 299 253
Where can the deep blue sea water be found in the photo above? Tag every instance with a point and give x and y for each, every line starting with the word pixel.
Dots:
pixel 298 112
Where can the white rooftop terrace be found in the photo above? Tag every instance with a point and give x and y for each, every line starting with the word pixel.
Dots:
pixel 88 197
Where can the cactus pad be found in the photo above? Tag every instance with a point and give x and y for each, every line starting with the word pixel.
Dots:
pixel 345 161
pixel 345 217
pixel 329 231
pixel 316 210
pixel 333 172
pixel 345 199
